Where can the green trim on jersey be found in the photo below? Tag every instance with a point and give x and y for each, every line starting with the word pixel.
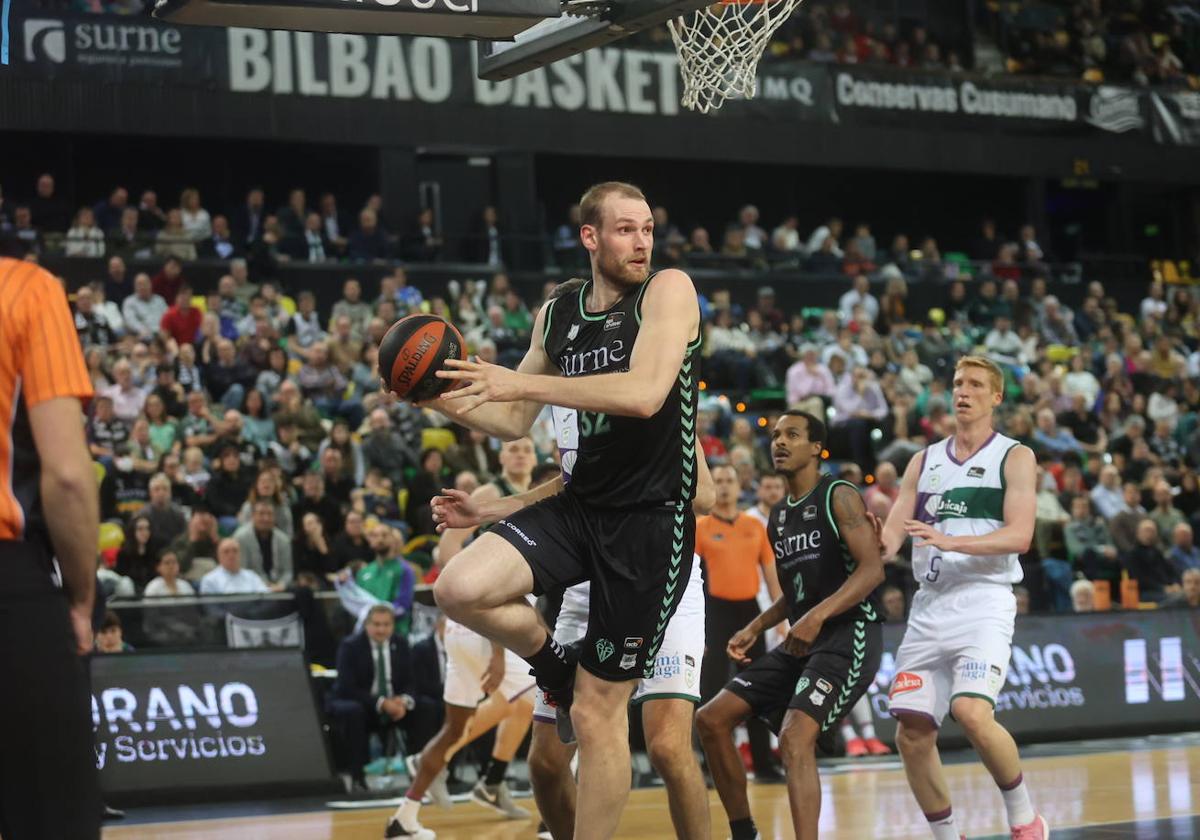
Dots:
pixel 972 503
pixel 582 311
pixel 837 532
pixel 858 656
pixel 546 324
pixel 804 498
pixel 1003 461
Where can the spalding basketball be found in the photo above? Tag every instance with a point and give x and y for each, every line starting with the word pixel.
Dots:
pixel 413 350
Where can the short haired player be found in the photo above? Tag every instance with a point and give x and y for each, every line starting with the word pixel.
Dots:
pixel 668 699
pixel 623 353
pixel 968 503
pixel 828 561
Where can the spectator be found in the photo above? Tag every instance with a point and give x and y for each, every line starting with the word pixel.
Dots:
pixel 809 383
pixel 167 520
pixel 264 548
pixel 257 426
pixel 1051 438
pixel 90 324
pixel 325 385
pixel 385 574
pixel 882 494
pixel 228 377
pixel 785 239
pixel 351 546
pixel 1124 524
pixel 304 328
pixel 334 224
pixel 1146 564
pixel 1165 515
pixel 266 488
pixel 314 500
pixel 248 219
pixel 110 638
pixel 174 240
pixel 168 583
pixel 859 295
pixel 753 236
pixel 169 279
pixel 1083 596
pixel 220 243
pixel 228 487
pixel 1089 547
pixel 143 311
pixel 229 577
pixel 1188 598
pixel 106 432
pixel 423 243
pixel 860 407
pixel 291 216
pixel 485 243
pixel 47 210
pixel 892 601
pixel 150 216
pixel 84 239
pixel 367 244
pixel 294 410
pixel 311 551
pixel 181 322
pixel 1183 553
pixel 197 225
pixel 353 307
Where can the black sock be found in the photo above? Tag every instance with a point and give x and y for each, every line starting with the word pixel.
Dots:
pixel 743 829
pixel 495 772
pixel 550 664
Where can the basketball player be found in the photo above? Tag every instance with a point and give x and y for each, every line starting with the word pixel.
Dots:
pixel 622 352
pixel 476 667
pixel 968 502
pixel 828 562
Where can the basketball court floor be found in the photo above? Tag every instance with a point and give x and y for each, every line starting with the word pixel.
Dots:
pixel 1146 788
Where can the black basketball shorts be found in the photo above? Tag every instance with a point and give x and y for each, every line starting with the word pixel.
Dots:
pixel 825 684
pixel 638 561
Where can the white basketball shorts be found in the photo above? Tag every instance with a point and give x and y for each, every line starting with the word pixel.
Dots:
pixel 467 658
pixel 958 643
pixel 677 666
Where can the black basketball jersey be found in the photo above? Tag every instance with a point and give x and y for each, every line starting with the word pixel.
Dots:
pixel 810 558
pixel 623 461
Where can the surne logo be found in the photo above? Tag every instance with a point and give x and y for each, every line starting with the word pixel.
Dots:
pixel 591 361
pixel 797 542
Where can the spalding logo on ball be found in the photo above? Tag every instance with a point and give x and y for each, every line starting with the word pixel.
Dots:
pixel 413 350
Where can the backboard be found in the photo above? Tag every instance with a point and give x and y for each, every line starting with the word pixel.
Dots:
pixel 561 36
pixel 479 19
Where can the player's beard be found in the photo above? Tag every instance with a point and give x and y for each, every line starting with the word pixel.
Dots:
pixel 620 272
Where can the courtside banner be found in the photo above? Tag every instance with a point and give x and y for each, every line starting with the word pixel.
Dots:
pixel 192 722
pixel 1080 676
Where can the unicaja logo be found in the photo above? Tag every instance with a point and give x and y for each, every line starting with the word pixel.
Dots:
pixel 45 39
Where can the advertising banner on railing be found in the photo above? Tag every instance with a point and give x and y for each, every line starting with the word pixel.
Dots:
pixel 184 723
pixel 1078 676
pixel 622 79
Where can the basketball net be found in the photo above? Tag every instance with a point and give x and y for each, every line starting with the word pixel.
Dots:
pixel 719 47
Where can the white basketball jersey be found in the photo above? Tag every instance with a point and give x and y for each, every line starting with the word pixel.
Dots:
pixel 963 499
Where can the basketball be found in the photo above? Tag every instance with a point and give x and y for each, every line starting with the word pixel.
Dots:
pixel 413 350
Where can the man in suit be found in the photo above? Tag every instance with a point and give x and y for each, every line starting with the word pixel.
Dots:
pixel 378 687
pixel 247 221
pixel 265 549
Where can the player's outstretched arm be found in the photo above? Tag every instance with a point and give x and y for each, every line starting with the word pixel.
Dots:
pixel 904 509
pixel 670 320
pixel 507 419
pixel 858 532
pixel 455 510
pixel 1020 509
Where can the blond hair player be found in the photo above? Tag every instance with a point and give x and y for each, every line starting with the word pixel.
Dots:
pixel 968 503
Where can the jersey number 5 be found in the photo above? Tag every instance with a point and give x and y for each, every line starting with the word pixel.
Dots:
pixel 934 571
pixel 592 423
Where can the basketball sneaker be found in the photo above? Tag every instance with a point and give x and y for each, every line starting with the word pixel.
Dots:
pixel 498 798
pixel 404 823
pixel 1039 829
pixel 856 747
pixel 543 832
pixel 560 698
pixel 877 747
pixel 438 791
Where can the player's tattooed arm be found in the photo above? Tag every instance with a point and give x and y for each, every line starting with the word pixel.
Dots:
pixel 858 533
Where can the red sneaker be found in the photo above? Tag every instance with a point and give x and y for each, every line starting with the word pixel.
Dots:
pixel 877 747
pixel 747 761
pixel 856 747
pixel 1036 830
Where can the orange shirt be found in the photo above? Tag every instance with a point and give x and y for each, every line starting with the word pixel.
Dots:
pixel 732 553
pixel 40 359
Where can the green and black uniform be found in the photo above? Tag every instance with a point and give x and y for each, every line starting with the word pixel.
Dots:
pixel 625 521
pixel 812 562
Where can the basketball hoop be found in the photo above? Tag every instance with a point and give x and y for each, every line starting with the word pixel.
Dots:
pixel 719 47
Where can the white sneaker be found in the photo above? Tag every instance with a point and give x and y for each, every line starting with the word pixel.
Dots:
pixel 543 832
pixel 439 791
pixel 498 799
pixel 404 823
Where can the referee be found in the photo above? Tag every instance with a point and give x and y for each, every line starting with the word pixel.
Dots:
pixel 48 524
pixel 733 547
